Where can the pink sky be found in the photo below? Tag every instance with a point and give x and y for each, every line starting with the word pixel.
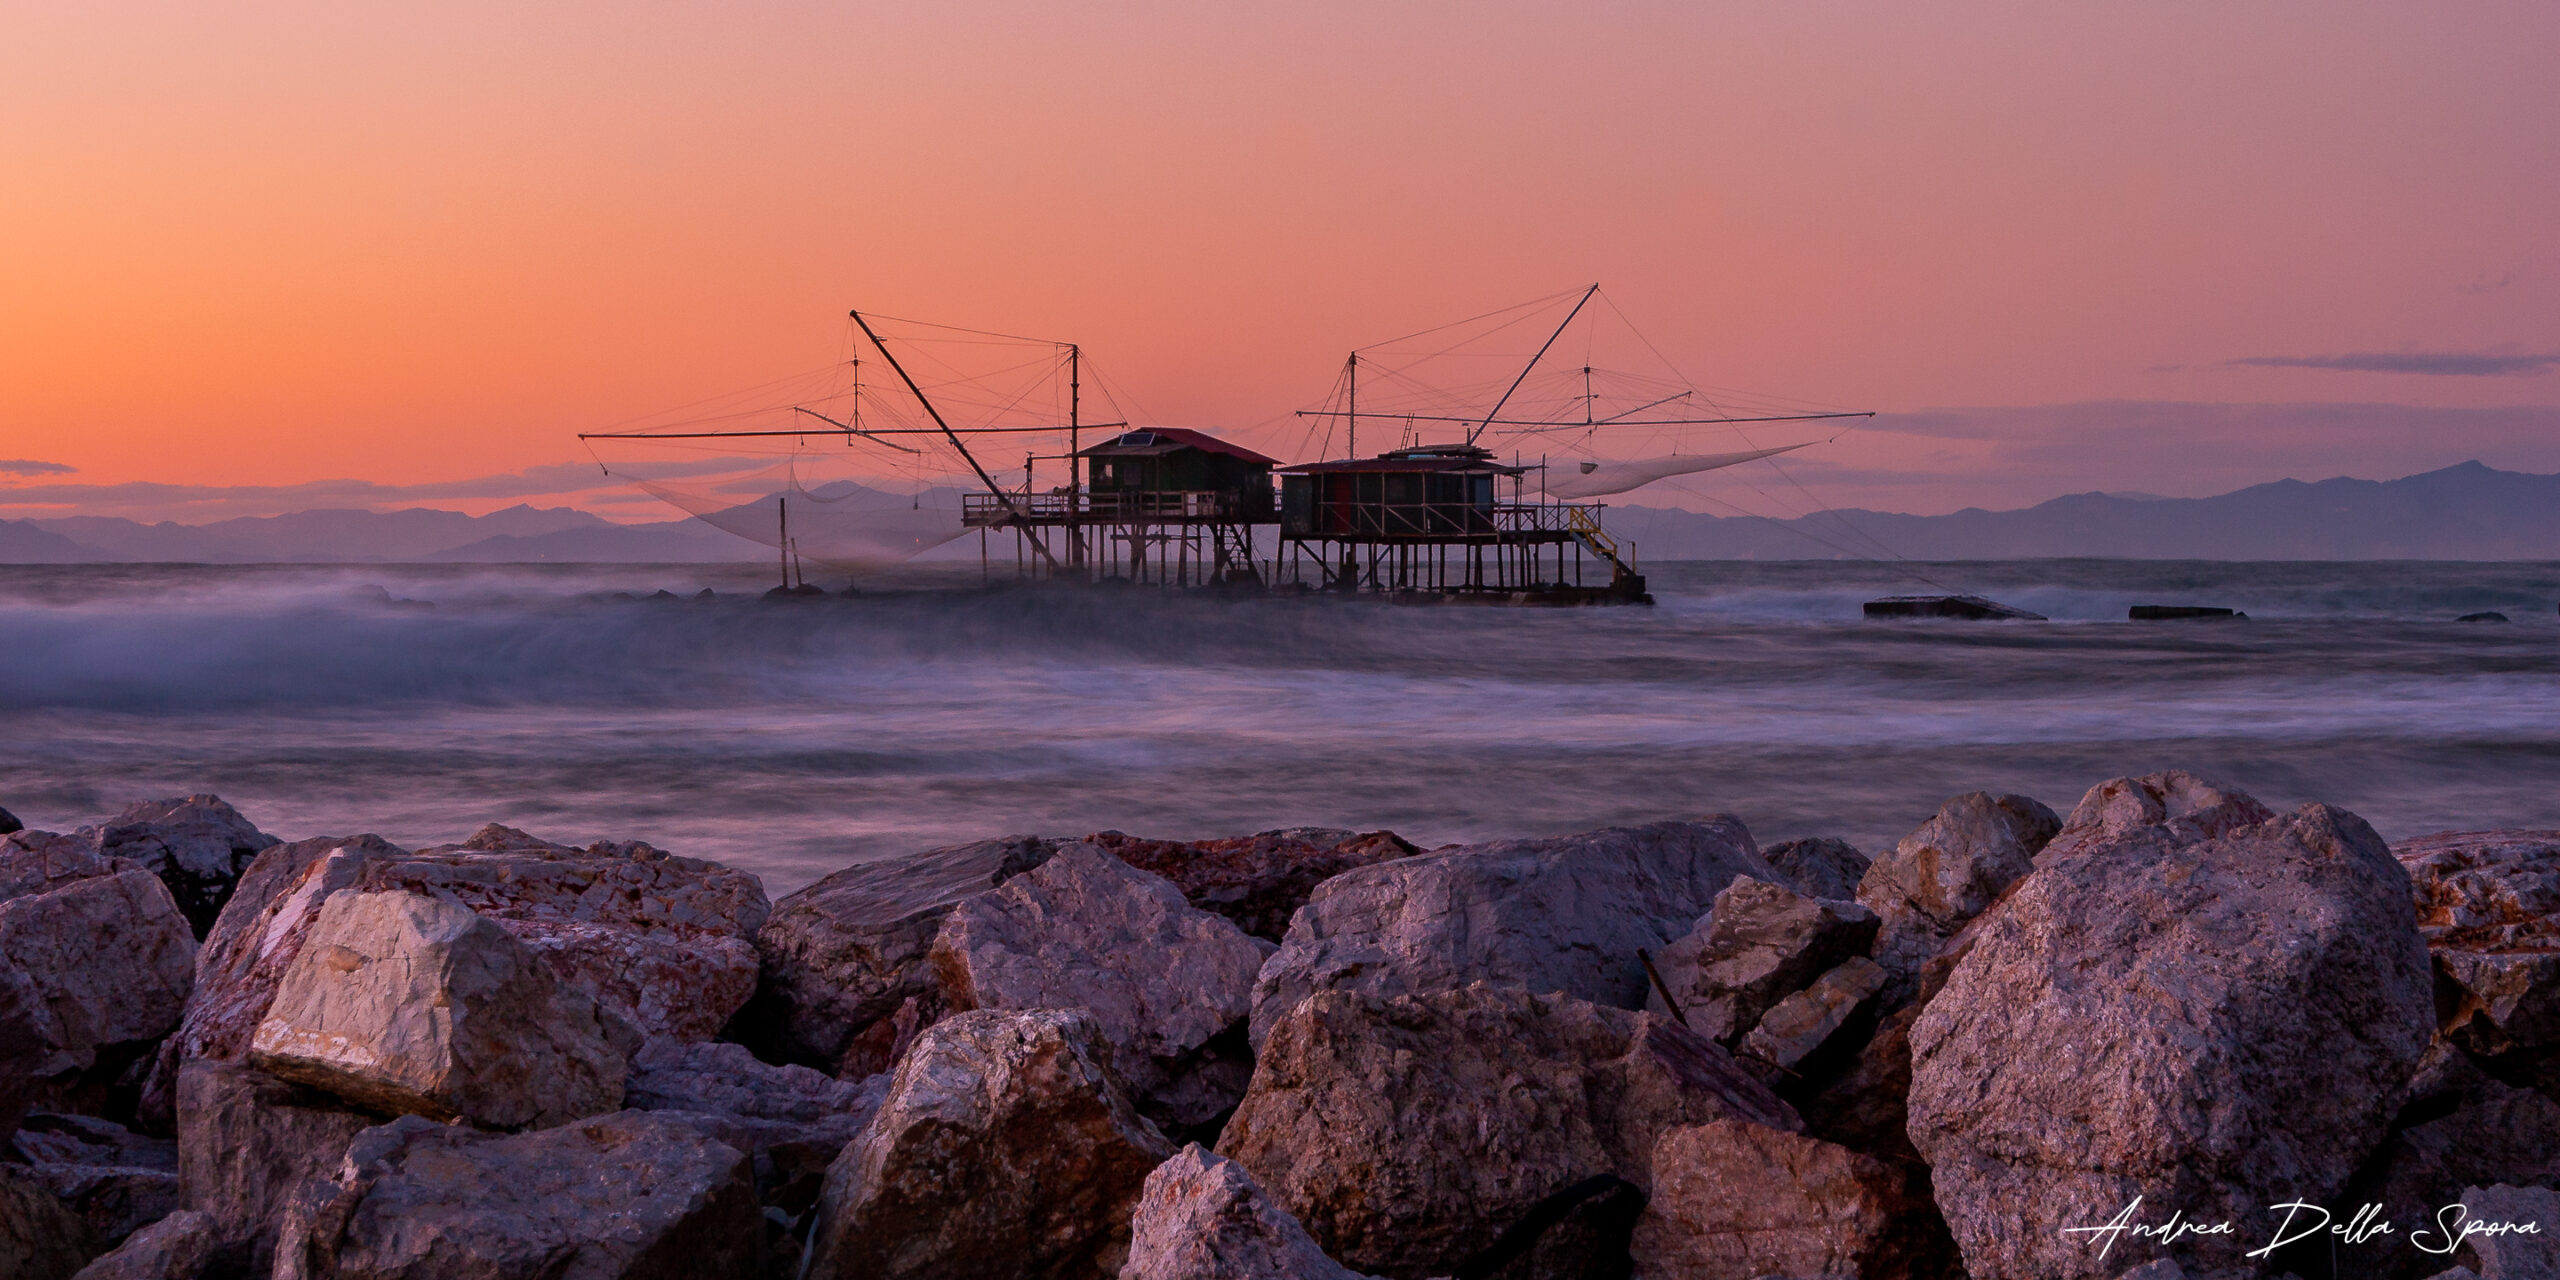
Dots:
pixel 422 247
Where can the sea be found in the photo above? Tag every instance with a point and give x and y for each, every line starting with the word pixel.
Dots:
pixel 676 704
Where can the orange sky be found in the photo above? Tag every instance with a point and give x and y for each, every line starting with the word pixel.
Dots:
pixel 423 244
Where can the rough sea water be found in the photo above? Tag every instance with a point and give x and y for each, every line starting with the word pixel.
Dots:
pixel 793 737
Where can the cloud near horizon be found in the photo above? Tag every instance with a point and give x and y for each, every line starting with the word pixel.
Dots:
pixel 31 467
pixel 2442 364
pixel 582 484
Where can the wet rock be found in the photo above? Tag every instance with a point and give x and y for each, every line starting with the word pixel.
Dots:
pixel 1759 944
pixel 2215 1023
pixel 626 1196
pixel 1737 1199
pixel 39 1239
pixel 849 951
pixel 2190 807
pixel 110 961
pixel 256 938
pixel 246 1140
pixel 181 1246
pixel 1258 881
pixel 197 845
pixel 1162 979
pixel 1408 1132
pixel 2489 906
pixel 1005 1148
pixel 410 1004
pixel 2500 1255
pixel 1565 914
pixel 1946 871
pixel 1819 868
pixel 1806 1021
pixel 665 942
pixel 178 1247
pixel 1202 1217
pixel 114 1179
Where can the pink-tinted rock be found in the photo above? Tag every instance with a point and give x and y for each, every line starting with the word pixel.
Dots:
pixel 1564 914
pixel 2509 1255
pixel 2214 1023
pixel 1087 931
pixel 1258 881
pixel 849 952
pixel 114 1179
pixel 2187 806
pixel 246 1141
pixel 2489 906
pixel 197 845
pixel 407 1003
pixel 1733 1199
pixel 1945 872
pixel 181 1246
pixel 1804 1022
pixel 1820 867
pixel 1005 1149
pixel 110 960
pixel 1202 1217
pixel 1761 943
pixel 41 862
pixel 1408 1132
pixel 627 1196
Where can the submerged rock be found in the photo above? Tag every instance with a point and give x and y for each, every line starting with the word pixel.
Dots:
pixel 1258 881
pixel 849 951
pixel 1409 1132
pixel 246 1141
pixel 410 1004
pixel 1820 867
pixel 1565 914
pixel 1202 1217
pixel 1004 1149
pixel 626 1196
pixel 2489 907
pixel 1734 1199
pixel 1759 944
pixel 1946 871
pixel 1162 979
pixel 2215 1022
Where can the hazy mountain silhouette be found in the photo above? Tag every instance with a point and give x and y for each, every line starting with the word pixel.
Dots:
pixel 2466 512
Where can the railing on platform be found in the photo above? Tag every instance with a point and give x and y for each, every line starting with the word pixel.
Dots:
pixel 1439 521
pixel 1107 505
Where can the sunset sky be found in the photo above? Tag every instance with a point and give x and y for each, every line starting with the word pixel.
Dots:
pixel 278 256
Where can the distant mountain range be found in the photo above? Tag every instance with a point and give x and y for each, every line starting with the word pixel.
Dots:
pixel 2466 512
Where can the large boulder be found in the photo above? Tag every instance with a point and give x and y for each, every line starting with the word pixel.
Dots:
pixel 182 1246
pixel 2216 1024
pixel 667 943
pixel 257 937
pixel 1820 867
pixel 41 861
pixel 2488 1133
pixel 1258 881
pixel 627 1196
pixel 1807 1021
pixel 246 1141
pixel 1004 1149
pixel 2489 906
pixel 849 952
pixel 1202 1217
pixel 1946 871
pixel 197 845
pixel 1564 914
pixel 1409 1132
pixel 1163 980
pixel 791 1119
pixel 2187 806
pixel 1761 943
pixel 110 961
pixel 1734 1199
pixel 114 1179
pixel 23 1021
pixel 411 1004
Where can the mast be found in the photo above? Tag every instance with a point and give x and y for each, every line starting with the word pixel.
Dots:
pixel 1478 429
pixel 1352 448
pixel 954 436
pixel 782 539
pixel 1075 462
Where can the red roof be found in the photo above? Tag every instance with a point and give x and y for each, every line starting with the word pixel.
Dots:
pixel 1168 439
